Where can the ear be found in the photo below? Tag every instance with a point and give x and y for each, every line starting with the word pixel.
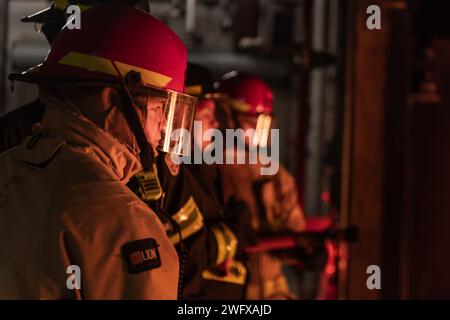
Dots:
pixel 109 98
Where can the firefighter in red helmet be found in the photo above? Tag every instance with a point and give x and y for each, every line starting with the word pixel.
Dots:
pixel 225 274
pixel 163 186
pixel 18 123
pixel 186 199
pixel 271 199
pixel 108 89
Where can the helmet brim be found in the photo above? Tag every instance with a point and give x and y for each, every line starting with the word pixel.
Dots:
pixel 44 16
pixel 38 75
pixel 32 75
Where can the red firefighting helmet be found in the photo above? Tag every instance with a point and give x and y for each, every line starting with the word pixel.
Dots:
pixel 53 18
pixel 200 83
pixel 113 43
pixel 249 94
pixel 199 80
pixel 58 7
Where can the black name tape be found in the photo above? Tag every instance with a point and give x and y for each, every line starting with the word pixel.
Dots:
pixel 141 255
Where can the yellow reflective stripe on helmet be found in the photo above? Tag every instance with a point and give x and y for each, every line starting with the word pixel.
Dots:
pixel 94 63
pixel 88 62
pixel 239 105
pixel 64 4
pixel 194 90
pixel 148 77
pixel 189 219
pixel 216 95
pixel 226 243
pixel 61 4
pixel 236 274
pixel 84 7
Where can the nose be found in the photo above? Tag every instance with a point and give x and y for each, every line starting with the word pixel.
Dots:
pixel 214 123
pixel 162 123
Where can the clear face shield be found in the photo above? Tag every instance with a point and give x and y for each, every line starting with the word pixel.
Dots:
pixel 261 124
pixel 167 118
pixel 178 114
pixel 262 130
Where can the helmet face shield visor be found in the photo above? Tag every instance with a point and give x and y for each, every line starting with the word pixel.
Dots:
pixel 179 114
pixel 263 126
pixel 260 124
pixel 168 118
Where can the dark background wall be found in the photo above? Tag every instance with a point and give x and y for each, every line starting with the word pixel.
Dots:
pixel 397 153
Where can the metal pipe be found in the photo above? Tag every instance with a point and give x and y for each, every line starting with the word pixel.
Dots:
pixel 4 10
pixel 190 16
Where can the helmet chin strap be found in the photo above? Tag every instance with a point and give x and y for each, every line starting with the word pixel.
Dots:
pixel 129 110
pixel 146 150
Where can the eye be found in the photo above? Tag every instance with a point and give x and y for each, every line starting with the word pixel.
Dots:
pixel 154 107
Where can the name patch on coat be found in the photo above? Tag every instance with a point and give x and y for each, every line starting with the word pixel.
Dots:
pixel 141 255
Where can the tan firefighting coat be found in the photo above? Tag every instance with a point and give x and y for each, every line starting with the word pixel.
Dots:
pixel 63 201
pixel 273 206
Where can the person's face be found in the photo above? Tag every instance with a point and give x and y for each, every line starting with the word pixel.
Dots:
pixel 155 122
pixel 206 114
pixel 260 123
pixel 247 122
